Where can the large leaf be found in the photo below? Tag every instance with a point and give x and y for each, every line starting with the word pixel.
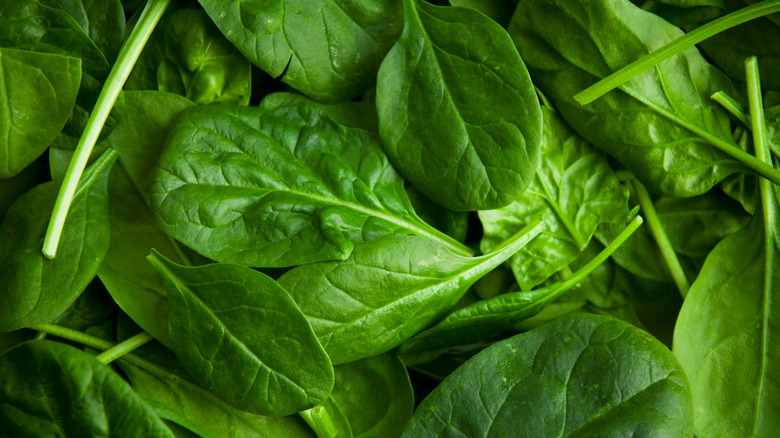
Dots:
pixel 727 332
pixel 458 115
pixel 387 291
pixel 278 187
pixel 580 376
pixel 52 389
pixel 574 191
pixel 327 49
pixel 102 20
pixel 660 124
pixel 37 95
pixel 187 55
pixel 241 335
pixel 34 289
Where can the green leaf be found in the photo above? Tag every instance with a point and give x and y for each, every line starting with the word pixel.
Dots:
pixel 582 375
pixel 241 335
pixel 725 335
pixel 52 389
pixel 278 187
pixel 499 10
pixel 102 20
pixel 327 49
pixel 187 55
pixel 37 95
pixel 574 190
pixel 458 115
pixel 387 291
pixel 375 395
pixel 34 289
pixel 661 124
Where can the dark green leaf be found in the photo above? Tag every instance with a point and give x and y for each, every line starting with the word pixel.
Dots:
pixel 660 124
pixel 458 115
pixel 328 49
pixel 499 10
pixel 241 335
pixel 388 290
pixel 36 290
pixel 52 389
pixel 580 376
pixel 102 20
pixel 37 95
pixel 278 187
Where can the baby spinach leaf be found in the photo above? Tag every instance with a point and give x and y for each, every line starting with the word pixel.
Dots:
pixel 102 20
pixel 241 335
pixel 375 395
pixel 278 187
pixel 388 290
pixel 187 55
pixel 726 334
pixel 327 49
pixel 360 115
pixel 582 375
pixel 34 289
pixel 574 190
pixel 52 389
pixel 37 95
pixel 458 115
pixel 499 10
pixel 661 124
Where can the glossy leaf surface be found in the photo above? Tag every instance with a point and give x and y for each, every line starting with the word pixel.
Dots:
pixel 278 187
pixel 52 389
pixel 241 335
pixel 387 291
pixel 458 115
pixel 582 375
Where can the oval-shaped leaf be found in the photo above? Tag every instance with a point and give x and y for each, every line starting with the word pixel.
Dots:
pixel 241 335
pixel 581 375
pixel 53 389
pixel 278 187
pixel 458 114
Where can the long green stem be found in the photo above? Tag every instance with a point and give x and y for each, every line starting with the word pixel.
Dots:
pixel 672 48
pixel 659 234
pixel 105 101
pixel 124 347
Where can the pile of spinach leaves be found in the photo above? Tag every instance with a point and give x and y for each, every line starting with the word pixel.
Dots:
pixel 385 218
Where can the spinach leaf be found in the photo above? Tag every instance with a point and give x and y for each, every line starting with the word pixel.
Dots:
pixel 360 115
pixel 102 20
pixel 453 223
pixel 662 124
pixel 34 289
pixel 388 290
pixel 499 10
pixel 52 389
pixel 375 395
pixel 458 115
pixel 582 375
pixel 92 308
pixel 241 335
pixel 574 190
pixel 187 55
pixel 37 95
pixel 278 187
pixel 327 49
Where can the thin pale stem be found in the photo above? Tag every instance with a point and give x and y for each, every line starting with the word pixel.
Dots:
pixel 661 238
pixel 123 348
pixel 672 48
pixel 129 54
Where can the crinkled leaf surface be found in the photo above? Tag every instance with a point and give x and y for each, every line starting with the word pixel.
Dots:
pixel 278 187
pixel 727 332
pixel 187 55
pixel 53 389
pixel 327 49
pixel 102 20
pixel 458 115
pixel 238 333
pixel 574 190
pixel 33 289
pixel 579 376
pixel 388 290
pixel 37 95
pixel 659 123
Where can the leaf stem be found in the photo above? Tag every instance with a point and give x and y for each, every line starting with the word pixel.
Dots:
pixel 672 48
pixel 129 54
pixel 732 106
pixel 320 421
pixel 659 234
pixel 124 347
pixel 760 145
